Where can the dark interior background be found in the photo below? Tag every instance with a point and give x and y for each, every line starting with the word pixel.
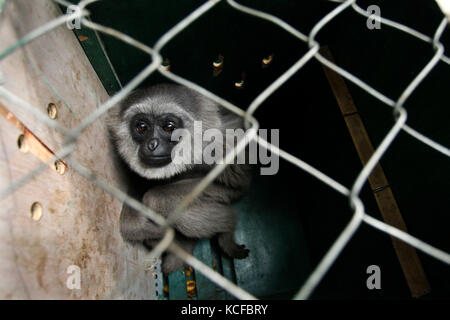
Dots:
pixel 312 128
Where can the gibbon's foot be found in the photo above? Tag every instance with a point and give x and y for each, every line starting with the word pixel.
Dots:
pixel 231 248
pixel 239 252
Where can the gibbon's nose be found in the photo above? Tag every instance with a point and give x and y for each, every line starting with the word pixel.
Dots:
pixel 153 144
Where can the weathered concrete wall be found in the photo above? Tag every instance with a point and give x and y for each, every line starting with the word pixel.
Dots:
pixel 80 222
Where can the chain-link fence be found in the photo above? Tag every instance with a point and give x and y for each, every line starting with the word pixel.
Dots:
pixel 351 192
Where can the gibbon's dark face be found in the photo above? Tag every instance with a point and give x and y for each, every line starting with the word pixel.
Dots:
pixel 153 135
pixel 146 122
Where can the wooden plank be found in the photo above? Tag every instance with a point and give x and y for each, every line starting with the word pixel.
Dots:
pixel 407 255
pixel 31 143
pixel 80 222
pixel 363 145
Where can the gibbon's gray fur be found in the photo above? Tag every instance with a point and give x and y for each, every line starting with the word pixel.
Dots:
pixel 141 128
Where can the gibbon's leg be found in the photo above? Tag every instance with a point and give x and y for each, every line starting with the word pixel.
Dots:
pixel 205 216
pixel 136 227
pixel 204 220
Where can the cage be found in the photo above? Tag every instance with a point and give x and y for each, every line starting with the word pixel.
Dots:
pixel 335 77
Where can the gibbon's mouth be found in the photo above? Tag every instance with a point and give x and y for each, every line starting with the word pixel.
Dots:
pixel 156 161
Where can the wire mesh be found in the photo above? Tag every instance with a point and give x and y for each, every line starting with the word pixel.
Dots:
pixel 352 192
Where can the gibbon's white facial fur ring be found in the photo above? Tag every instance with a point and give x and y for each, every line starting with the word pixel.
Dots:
pixel 183 103
pixel 129 149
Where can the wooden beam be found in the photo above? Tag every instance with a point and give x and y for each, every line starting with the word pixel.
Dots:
pixel 32 143
pixel 407 255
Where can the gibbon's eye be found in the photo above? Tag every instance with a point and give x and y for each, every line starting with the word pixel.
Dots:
pixel 141 127
pixel 169 126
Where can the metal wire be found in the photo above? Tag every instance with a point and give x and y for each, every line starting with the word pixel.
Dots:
pixel 352 193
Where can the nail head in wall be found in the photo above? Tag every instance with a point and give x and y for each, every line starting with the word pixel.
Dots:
pixel 166 64
pixel 239 84
pixel 36 211
pixel 22 144
pixel 218 62
pixel 266 61
pixel 60 167
pixel 52 111
pixel 218 65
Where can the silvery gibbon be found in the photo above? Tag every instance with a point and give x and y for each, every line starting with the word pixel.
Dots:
pixel 142 127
